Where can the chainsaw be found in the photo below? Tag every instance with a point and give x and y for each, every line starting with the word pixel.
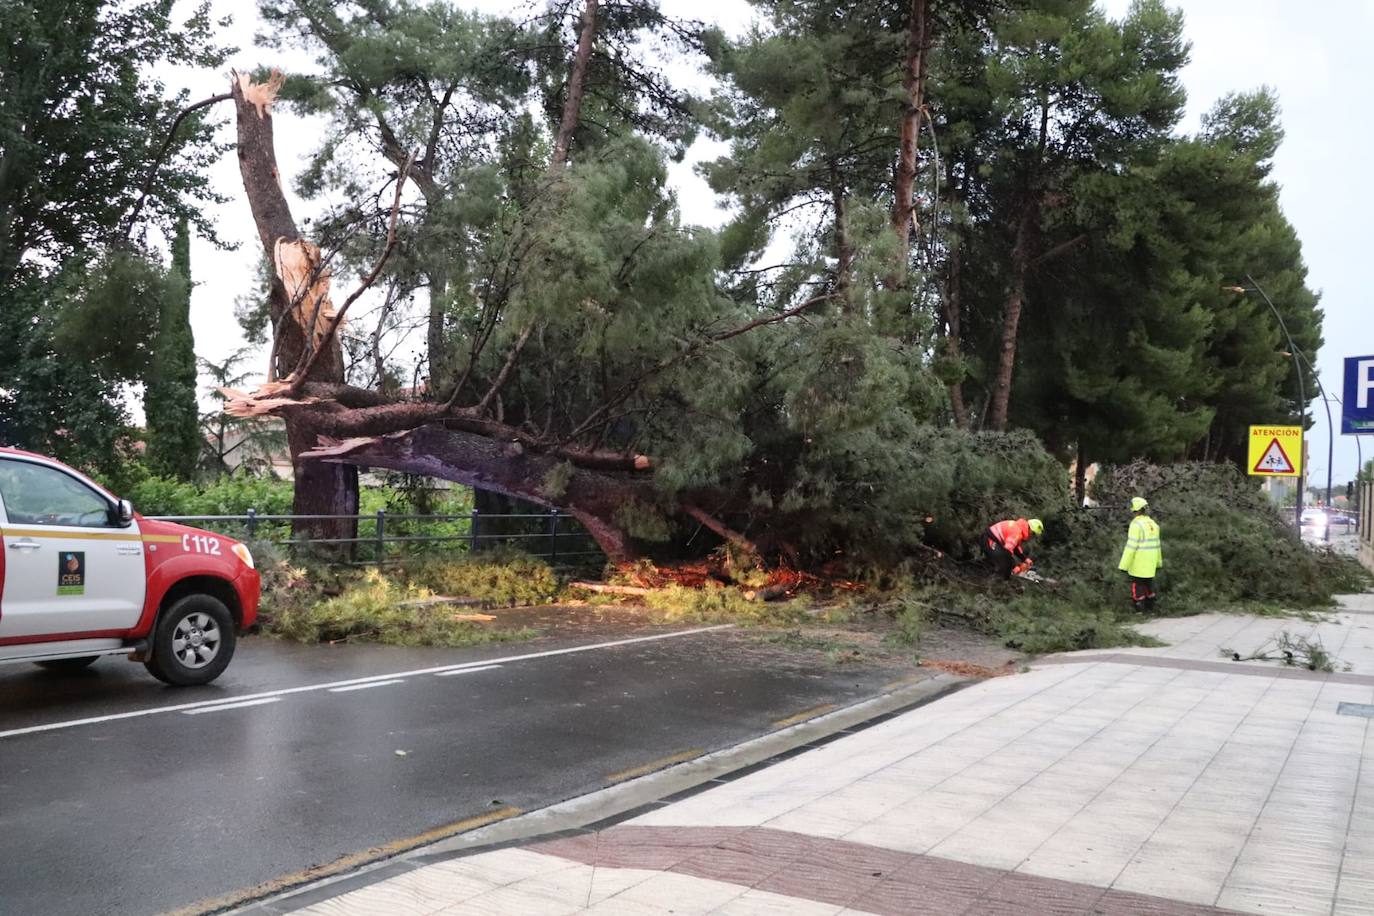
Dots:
pixel 1024 571
pixel 1031 575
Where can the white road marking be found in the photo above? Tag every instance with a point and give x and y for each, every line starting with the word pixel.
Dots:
pixel 219 706
pixel 467 666
pixel 466 671
pixel 364 686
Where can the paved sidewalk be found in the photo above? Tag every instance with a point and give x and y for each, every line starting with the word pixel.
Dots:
pixel 1347 633
pixel 1131 782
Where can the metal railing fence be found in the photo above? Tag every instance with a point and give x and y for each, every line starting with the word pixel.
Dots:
pixel 384 537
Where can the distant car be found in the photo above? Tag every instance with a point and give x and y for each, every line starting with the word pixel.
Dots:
pixel 1316 519
pixel 84 576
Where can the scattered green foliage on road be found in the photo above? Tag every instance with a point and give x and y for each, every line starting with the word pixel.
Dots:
pixel 1034 620
pixel 504 578
pixel 329 604
pixel 377 608
pixel 836 651
pixel 1225 548
pixel 714 603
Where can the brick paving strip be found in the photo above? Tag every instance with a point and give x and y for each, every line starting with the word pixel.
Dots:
pixel 857 876
pixel 1219 667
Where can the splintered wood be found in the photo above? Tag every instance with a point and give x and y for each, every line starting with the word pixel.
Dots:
pixel 259 403
pixel 260 95
pixel 299 266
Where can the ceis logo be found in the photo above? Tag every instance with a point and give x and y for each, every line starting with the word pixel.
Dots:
pixel 71 573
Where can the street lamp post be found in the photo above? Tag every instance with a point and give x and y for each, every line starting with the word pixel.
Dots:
pixel 1302 390
pixel 1330 437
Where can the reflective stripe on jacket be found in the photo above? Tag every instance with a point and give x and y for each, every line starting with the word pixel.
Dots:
pixel 1012 533
pixel 1143 555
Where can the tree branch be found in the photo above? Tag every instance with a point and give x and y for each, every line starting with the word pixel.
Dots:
pixel 629 390
pixel 132 219
pixel 505 372
pixel 305 364
pixel 696 513
pixel 1059 249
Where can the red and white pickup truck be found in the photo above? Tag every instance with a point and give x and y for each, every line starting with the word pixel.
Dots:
pixel 85 576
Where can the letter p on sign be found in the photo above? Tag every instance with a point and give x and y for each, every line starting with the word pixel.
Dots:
pixel 1357 407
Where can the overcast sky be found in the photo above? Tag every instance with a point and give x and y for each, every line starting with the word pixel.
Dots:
pixel 1314 54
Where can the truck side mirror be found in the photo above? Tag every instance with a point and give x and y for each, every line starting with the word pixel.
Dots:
pixel 126 512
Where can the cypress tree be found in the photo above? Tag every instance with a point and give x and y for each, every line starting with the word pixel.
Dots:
pixel 170 395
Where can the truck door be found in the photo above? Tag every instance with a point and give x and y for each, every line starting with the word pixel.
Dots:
pixel 70 567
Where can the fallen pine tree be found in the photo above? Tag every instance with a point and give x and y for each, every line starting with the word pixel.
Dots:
pixel 609 375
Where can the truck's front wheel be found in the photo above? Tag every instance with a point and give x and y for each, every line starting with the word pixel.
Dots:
pixel 192 642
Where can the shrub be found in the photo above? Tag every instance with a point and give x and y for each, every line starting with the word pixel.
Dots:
pixel 234 494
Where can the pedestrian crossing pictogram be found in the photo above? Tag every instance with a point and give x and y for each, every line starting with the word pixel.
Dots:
pixel 1274 460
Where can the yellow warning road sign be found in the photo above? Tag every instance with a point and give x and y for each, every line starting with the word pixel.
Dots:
pixel 1275 451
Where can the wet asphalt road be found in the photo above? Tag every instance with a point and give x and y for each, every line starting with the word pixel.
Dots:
pixel 161 810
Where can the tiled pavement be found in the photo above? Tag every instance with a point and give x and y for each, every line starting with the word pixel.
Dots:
pixel 1102 786
pixel 1347 634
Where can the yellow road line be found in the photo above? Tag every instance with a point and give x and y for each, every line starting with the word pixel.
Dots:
pixel 911 679
pixel 804 715
pixel 344 864
pixel 659 764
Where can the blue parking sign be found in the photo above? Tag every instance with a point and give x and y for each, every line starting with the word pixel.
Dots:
pixel 1357 406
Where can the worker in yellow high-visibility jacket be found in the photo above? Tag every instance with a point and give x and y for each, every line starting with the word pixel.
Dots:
pixel 1143 555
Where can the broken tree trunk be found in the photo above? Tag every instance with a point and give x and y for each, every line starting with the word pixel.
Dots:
pixel 592 497
pixel 300 310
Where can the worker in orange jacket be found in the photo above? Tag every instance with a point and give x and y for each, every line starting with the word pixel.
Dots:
pixel 1004 544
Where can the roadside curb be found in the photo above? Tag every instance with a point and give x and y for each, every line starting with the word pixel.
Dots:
pixel 606 807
